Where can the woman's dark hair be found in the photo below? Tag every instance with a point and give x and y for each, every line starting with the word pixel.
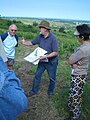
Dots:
pixel 84 31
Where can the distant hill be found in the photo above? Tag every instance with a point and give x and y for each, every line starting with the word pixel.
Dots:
pixel 51 19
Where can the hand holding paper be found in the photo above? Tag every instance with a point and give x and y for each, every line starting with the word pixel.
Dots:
pixel 35 55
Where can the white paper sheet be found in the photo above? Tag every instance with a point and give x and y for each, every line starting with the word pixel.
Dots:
pixel 34 56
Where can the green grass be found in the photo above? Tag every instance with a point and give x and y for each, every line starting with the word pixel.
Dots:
pixel 63 71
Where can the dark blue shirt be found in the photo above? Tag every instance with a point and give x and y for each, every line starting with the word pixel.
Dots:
pixel 49 43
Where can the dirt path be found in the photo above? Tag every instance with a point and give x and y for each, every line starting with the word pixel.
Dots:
pixel 40 107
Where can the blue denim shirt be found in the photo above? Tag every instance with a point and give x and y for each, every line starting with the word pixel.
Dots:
pixel 12 98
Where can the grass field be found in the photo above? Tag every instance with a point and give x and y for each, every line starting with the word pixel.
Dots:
pixel 41 107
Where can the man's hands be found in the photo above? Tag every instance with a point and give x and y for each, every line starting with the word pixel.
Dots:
pixel 74 65
pixel 43 57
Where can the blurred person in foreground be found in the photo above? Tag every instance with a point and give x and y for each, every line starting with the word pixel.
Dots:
pixel 2 52
pixel 79 61
pixel 48 42
pixel 10 41
pixel 12 98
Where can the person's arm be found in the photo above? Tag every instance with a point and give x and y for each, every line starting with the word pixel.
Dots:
pixel 75 57
pixel 49 55
pixel 2 52
pixel 54 50
pixel 71 61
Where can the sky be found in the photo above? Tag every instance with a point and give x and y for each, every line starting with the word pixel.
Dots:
pixel 60 9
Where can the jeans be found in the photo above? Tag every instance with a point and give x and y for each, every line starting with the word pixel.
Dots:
pixel 12 98
pixel 51 68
